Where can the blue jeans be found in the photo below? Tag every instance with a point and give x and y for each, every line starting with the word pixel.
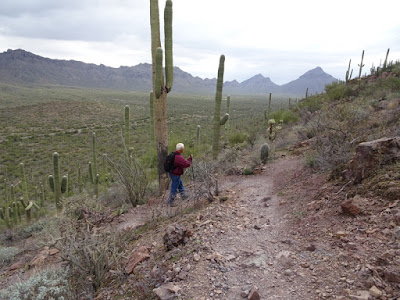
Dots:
pixel 176 187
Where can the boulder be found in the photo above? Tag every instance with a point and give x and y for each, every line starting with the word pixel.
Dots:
pixel 371 155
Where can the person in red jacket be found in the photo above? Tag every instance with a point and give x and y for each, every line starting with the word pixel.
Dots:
pixel 180 164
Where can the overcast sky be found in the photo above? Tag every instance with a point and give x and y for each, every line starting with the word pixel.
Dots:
pixel 280 39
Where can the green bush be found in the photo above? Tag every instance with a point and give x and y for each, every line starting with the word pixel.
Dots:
pixel 248 171
pixel 338 90
pixel 283 114
pixel 312 103
pixel 46 285
pixel 237 138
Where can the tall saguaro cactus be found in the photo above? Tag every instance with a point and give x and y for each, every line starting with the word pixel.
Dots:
pixel 55 181
pixel 217 111
pixel 161 89
pixel 386 59
pixel 361 65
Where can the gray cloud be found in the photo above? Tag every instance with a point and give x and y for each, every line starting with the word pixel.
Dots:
pixel 257 36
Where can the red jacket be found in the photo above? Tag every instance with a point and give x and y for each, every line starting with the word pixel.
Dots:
pixel 180 163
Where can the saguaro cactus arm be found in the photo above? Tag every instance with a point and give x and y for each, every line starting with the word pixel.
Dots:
pixel 169 67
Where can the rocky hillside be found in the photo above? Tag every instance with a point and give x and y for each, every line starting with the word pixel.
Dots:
pixel 22 67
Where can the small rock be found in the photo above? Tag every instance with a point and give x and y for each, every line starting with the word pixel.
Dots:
pixel 254 295
pixel 375 292
pixel 351 206
pixel 311 248
pixel 361 295
pixel 141 254
pixel 17 265
pixel 288 272
pixel 341 234
pixel 167 291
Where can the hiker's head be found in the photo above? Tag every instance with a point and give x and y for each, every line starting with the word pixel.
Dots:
pixel 180 147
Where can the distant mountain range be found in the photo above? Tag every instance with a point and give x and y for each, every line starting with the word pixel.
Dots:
pixel 22 67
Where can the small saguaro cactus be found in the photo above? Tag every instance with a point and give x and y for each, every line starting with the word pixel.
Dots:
pixel 228 111
pixel 80 184
pixel 126 128
pixel 268 110
pixel 217 111
pixel 264 153
pixel 96 185
pixel 94 161
pixel 348 74
pixel 57 184
pixel 271 129
pixel 90 171
pixel 361 65
pixel 198 136
pixel 24 200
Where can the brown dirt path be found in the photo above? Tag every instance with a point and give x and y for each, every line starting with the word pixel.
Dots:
pixel 281 233
pixel 246 242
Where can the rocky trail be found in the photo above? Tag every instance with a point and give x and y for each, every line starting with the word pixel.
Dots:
pixel 280 234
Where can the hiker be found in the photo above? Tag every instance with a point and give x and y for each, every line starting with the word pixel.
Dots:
pixel 180 164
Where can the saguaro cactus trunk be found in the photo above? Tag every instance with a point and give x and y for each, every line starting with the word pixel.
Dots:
pixel 160 89
pixel 217 110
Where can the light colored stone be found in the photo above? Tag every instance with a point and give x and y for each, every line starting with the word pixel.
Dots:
pixel 375 292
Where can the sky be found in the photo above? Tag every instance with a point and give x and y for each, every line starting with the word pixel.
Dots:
pixel 279 39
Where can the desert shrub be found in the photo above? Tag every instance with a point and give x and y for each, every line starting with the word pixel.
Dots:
pixel 45 285
pixel 336 130
pixel 133 177
pixel 338 90
pixel 312 103
pixel 89 255
pixel 390 83
pixel 283 114
pixel 7 254
pixel 204 179
pixel 237 138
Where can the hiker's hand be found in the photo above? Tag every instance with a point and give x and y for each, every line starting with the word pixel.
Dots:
pixel 190 156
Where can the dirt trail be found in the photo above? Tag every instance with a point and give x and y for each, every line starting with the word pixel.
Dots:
pixel 246 242
pixel 281 232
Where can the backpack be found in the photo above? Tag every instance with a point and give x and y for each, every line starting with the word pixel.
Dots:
pixel 169 162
